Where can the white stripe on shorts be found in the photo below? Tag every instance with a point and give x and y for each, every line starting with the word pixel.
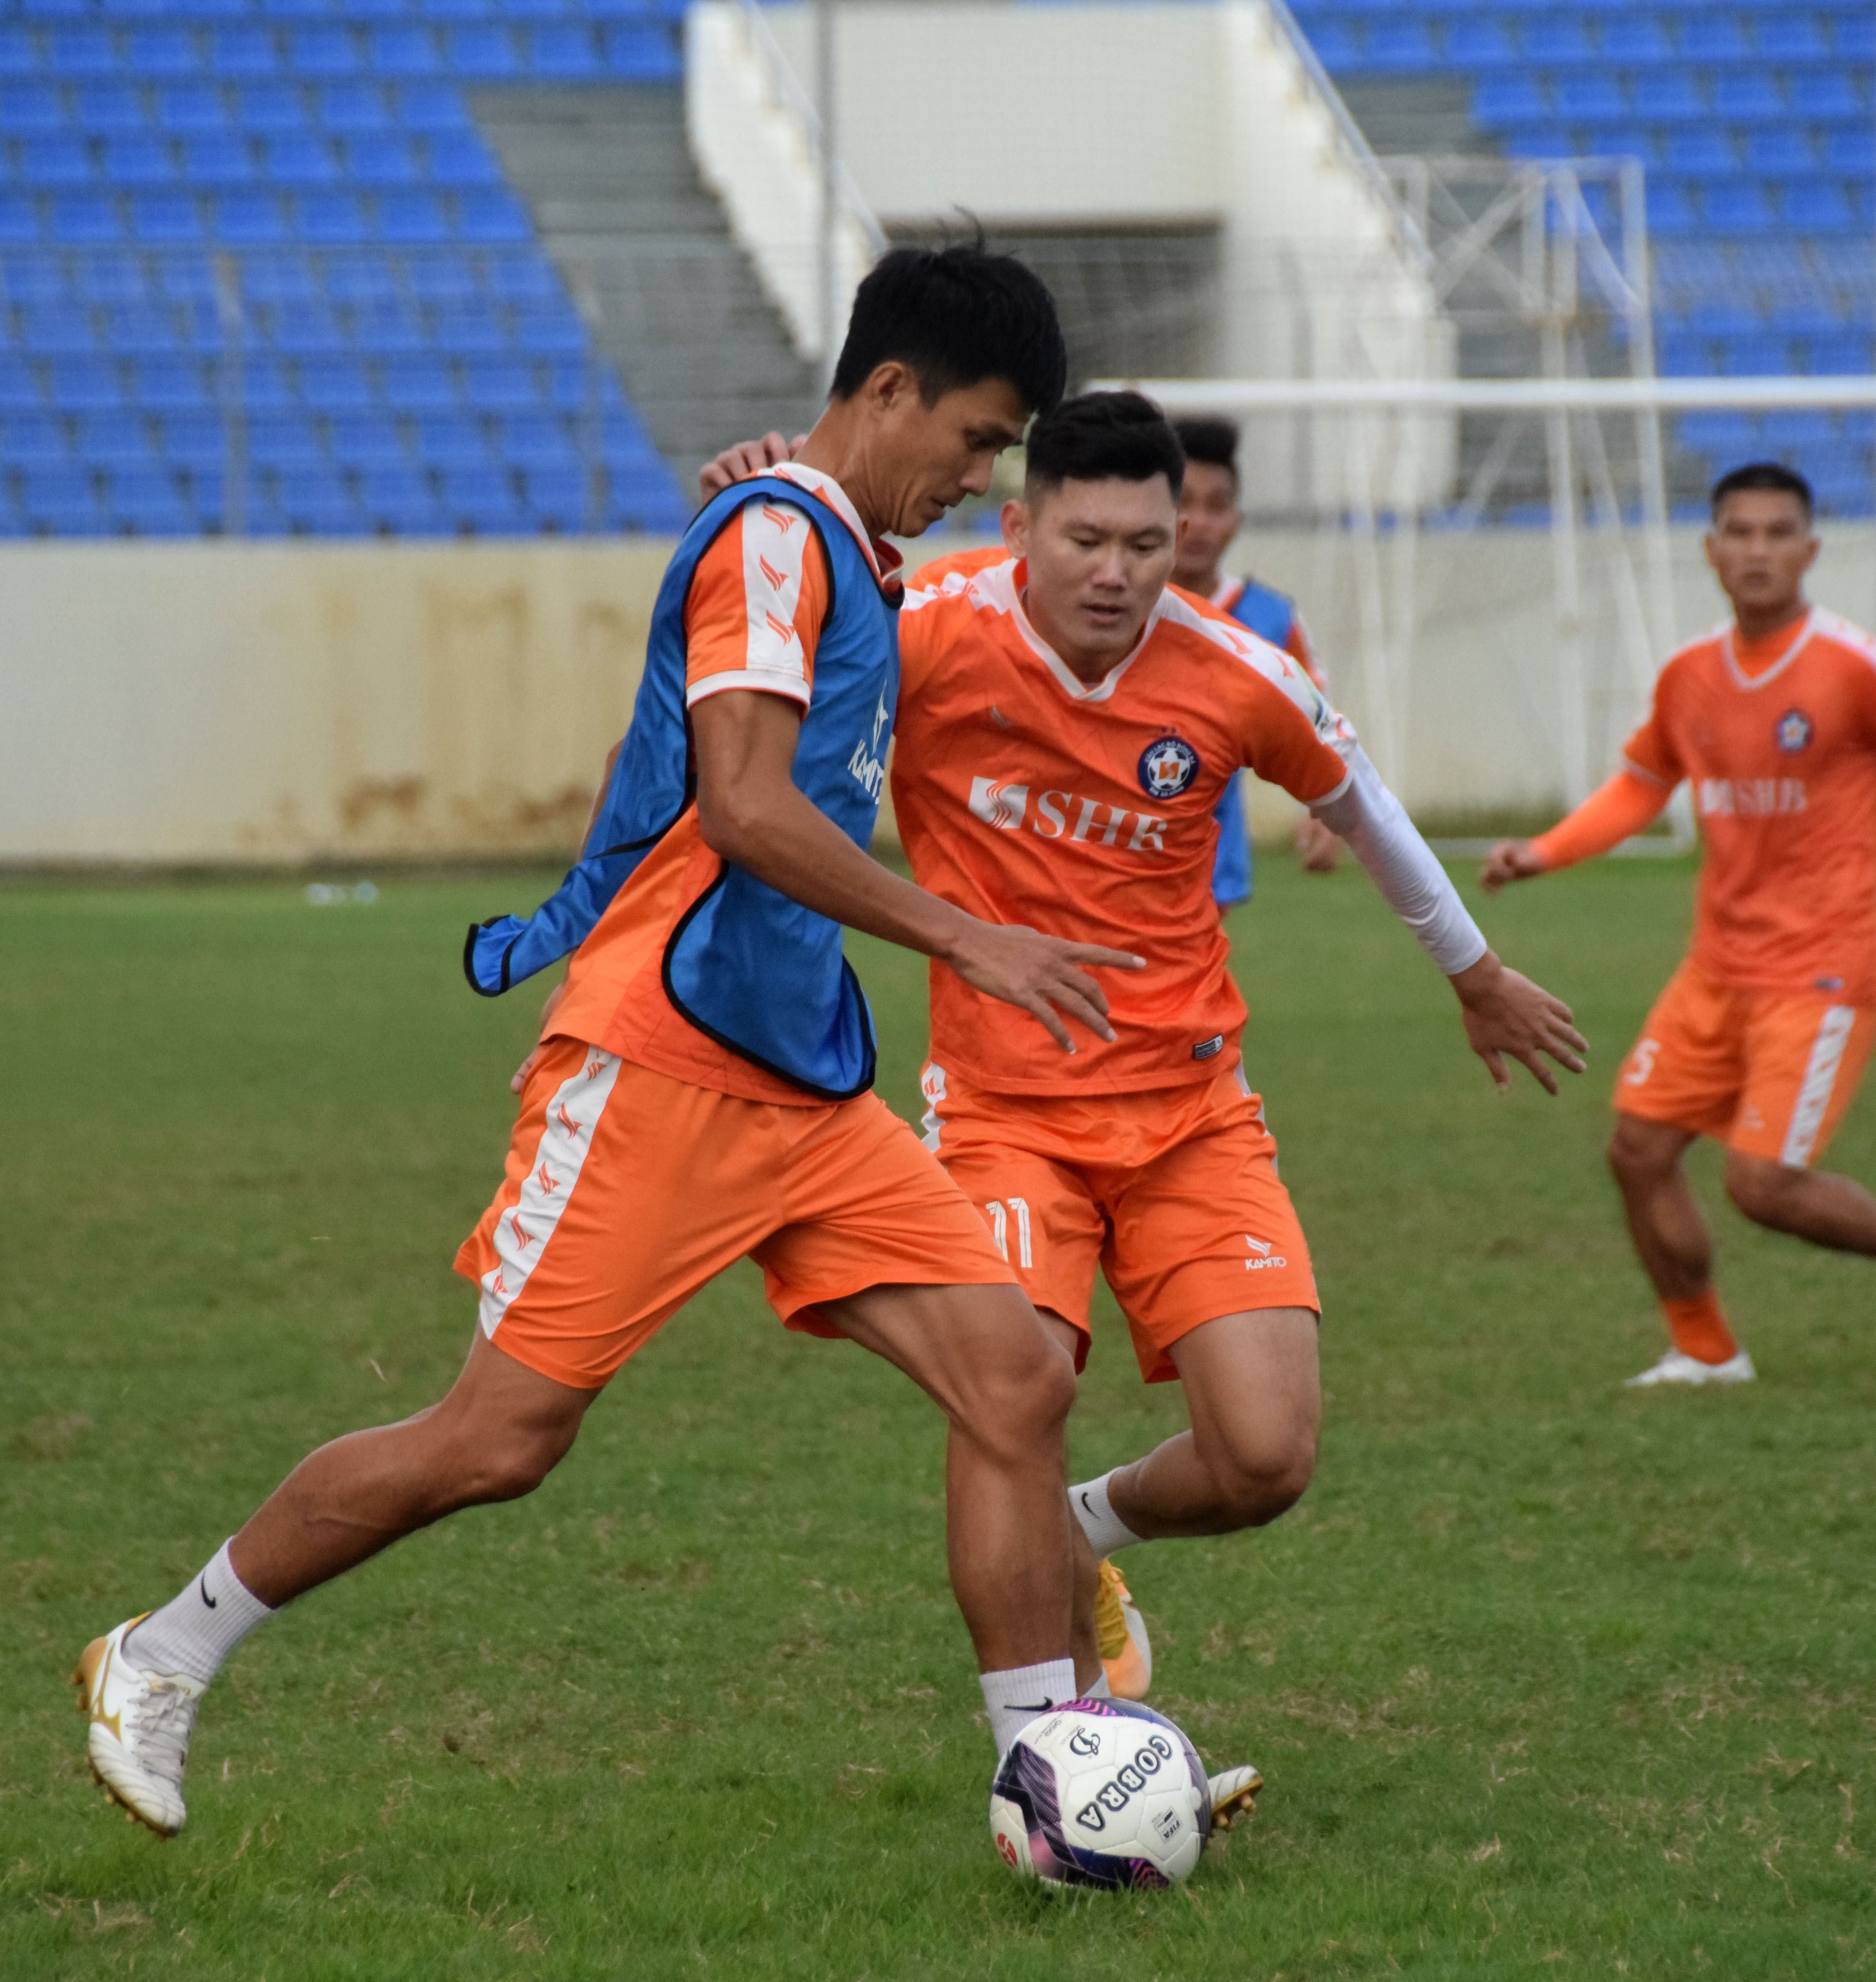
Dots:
pixel 1827 1055
pixel 522 1231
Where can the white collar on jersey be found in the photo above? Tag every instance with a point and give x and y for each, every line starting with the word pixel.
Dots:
pixel 1002 578
pixel 1806 627
pixel 1226 593
pixel 882 559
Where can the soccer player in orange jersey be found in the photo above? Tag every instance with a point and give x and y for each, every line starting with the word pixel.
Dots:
pixel 1211 516
pixel 1067 722
pixel 1761 1036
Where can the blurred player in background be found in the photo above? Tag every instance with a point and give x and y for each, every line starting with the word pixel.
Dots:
pixel 1067 725
pixel 1213 515
pixel 703 1092
pixel 1761 1035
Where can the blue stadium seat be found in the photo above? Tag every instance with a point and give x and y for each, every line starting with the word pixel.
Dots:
pixel 1855 37
pixel 1669 212
pixel 461 159
pixel 499 385
pixel 277 279
pixel 171 385
pixel 570 384
pixel 249 220
pixel 380 159
pixel 568 55
pixel 1819 206
pixel 403 50
pixel 58 158
pixel 347 108
pixel 56 330
pixel 1738 206
pixel 89 220
pixel 319 504
pixel 1558 40
pixel 187 108
pixel 30 110
pixel 145 503
pixel 1732 435
pixel 322 51
pixel 362 444
pixel 1837 354
pixel 34 279
pixel 1723 316
pixel 471 331
pixel 1786 37
pixel 443 281
pixel 419 385
pixel 161 52
pixel 482 504
pixel 641 55
pixel 1851 149
pixel 482 55
pixel 549 333
pixel 299 331
pixel 1755 354
pixel 103 109
pixel 114 441
pixel 330 219
pixel 145 330
pixel 1681 354
pixel 1337 47
pixel 491 219
pixel 63 501
pixel 362 280
pixel 1782 148
pixel 285 446
pixel 453 444
pixel 387 331
pixel 243 51
pixel 526 279
pixel 19 54
pixel 139 159
pixel 296 159
pixel 109 279
pixel 83 384
pixel 34 440
pixel 218 159
pixel 335 385
pixel 1793 428
pixel 1825 94
pixel 432 107
pixel 1699 154
pixel 1669 96
pixel 1712 36
pixel 1392 47
pixel 1747 96
pixel 19 221
pixel 267 108
pixel 265 387
pixel 537 441
pixel 1593 98
pixel 562 499
pixel 81 51
pixel 19 386
pixel 1636 40
pixel 411 219
pixel 399 501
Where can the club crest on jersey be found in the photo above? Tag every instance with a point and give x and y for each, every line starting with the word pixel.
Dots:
pixel 1794 731
pixel 1167 767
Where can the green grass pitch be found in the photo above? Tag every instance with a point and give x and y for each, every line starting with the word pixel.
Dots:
pixel 1546 1678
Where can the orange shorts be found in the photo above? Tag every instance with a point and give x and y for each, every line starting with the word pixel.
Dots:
pixel 1173 1193
pixel 1767 1072
pixel 627 1190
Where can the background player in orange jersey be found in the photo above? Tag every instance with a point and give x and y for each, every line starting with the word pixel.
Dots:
pixel 1211 516
pixel 1760 1036
pixel 1066 725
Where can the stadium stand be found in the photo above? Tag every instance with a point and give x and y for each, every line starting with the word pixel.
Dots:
pixel 269 234
pixel 1757 129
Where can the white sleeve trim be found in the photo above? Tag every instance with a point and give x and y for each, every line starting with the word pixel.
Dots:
pixel 1402 864
pixel 769 681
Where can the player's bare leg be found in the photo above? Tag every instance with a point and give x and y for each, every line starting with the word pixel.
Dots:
pixel 981 1356
pixel 500 1431
pixel 1813 1205
pixel 1675 1247
pixel 1254 1391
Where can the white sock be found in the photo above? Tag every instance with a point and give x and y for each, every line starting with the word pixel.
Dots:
pixel 195 1631
pixel 1105 1531
pixel 1014 1697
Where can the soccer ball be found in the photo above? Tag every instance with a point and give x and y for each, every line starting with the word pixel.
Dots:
pixel 1101 1793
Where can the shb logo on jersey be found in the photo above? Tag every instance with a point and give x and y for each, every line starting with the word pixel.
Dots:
pixel 1168 767
pixel 1001 806
pixel 1794 731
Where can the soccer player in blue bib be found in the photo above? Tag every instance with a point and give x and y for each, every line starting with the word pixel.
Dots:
pixel 702 1091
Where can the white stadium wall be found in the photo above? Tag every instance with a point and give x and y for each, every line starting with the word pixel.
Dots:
pixel 287 702
pixel 1095 118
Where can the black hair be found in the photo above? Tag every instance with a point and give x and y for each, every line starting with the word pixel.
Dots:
pixel 1211 441
pixel 957 315
pixel 1100 436
pixel 1772 474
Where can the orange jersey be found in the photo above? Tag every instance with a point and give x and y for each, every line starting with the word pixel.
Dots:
pixel 1779 745
pixel 757 602
pixel 1024 796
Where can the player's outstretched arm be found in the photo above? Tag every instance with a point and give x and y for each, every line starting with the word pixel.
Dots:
pixel 1625 805
pixel 752 814
pixel 1505 1014
pixel 746 459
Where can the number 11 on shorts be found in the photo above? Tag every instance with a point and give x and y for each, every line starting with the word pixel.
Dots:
pixel 999 1216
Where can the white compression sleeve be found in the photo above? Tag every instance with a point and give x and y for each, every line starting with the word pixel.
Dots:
pixel 1402 866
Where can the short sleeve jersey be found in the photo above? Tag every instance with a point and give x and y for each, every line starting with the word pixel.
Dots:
pixel 1779 743
pixel 1024 796
pixel 756 604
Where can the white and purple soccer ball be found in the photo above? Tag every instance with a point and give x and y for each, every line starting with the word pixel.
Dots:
pixel 1101 1793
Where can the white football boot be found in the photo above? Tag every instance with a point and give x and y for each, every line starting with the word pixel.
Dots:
pixel 1234 1796
pixel 140 1723
pixel 1675 1368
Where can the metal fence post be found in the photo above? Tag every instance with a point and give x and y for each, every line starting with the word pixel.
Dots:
pixel 234 399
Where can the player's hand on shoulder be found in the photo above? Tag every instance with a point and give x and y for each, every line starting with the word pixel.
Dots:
pixel 1506 1016
pixel 1510 860
pixel 1044 975
pixel 746 459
